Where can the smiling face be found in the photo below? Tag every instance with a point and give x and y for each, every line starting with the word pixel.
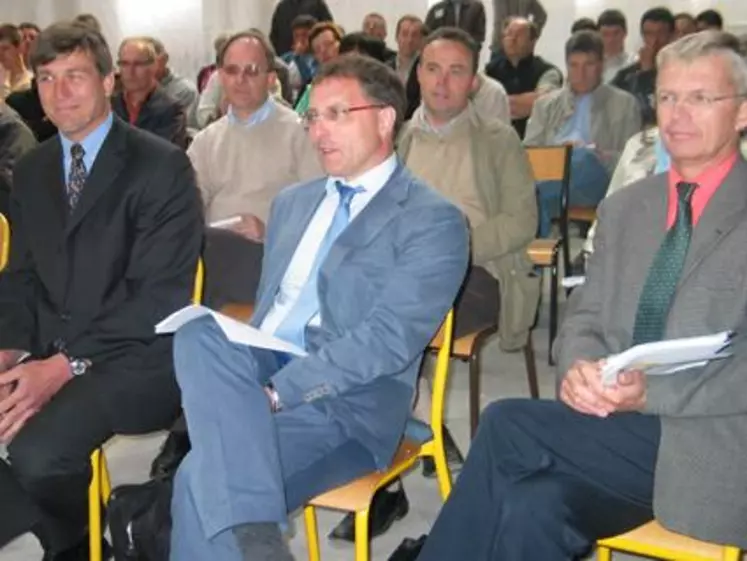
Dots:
pixel 74 96
pixel 698 135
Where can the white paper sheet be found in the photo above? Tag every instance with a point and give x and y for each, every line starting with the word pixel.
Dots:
pixel 668 357
pixel 226 222
pixel 236 331
pixel 573 282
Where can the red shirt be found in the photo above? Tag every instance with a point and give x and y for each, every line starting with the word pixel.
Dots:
pixel 708 182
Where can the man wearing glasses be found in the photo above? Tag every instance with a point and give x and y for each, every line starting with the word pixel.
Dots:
pixel 360 268
pixel 142 103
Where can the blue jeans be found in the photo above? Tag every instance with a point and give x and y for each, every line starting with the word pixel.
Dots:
pixel 589 182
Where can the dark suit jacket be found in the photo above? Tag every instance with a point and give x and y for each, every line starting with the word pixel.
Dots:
pixel 28 105
pixel 471 18
pixel 281 33
pixel 160 115
pixel 15 140
pixel 95 282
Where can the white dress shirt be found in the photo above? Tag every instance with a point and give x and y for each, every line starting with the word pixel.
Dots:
pixel 303 258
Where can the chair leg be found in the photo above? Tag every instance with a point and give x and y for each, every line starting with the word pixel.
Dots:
pixel 553 306
pixel 94 508
pixel 362 547
pixel 531 366
pixel 474 394
pixel 106 484
pixel 604 553
pixel 312 533
pixel 732 553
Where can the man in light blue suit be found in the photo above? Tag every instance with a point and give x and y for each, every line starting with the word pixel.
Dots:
pixel 360 268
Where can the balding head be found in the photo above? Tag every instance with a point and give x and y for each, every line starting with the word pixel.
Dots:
pixel 519 38
pixel 137 65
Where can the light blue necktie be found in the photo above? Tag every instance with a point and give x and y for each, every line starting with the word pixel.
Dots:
pixel 293 327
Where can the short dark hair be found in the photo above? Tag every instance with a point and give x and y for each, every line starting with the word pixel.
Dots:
pixel 711 18
pixel 658 15
pixel 323 26
pixel 584 24
pixel 88 20
pixel 411 18
pixel 456 35
pixel 29 25
pixel 11 34
pixel 379 82
pixel 258 36
pixel 66 38
pixel 612 18
pixel 304 21
pixel 585 41
pixel 363 44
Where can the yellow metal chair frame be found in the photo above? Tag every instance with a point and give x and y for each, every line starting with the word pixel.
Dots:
pixel 356 496
pixel 653 540
pixel 4 241
pixel 100 488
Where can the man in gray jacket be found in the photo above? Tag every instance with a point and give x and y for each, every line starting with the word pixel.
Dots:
pixel 546 479
pixel 596 118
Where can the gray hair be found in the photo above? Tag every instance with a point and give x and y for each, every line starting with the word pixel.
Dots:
pixel 708 43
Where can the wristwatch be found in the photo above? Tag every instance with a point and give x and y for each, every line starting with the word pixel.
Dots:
pixel 78 366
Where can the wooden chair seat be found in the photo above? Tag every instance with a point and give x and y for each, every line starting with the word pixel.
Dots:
pixel 582 214
pixel 543 252
pixel 240 312
pixel 653 540
pixel 464 347
pixel 357 495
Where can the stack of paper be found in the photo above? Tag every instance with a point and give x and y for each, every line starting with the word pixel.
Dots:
pixel 235 331
pixel 668 357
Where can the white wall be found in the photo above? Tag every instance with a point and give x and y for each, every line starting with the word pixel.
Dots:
pixel 187 27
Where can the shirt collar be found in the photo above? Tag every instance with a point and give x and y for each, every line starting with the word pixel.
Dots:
pixel 259 116
pixel 92 143
pixel 372 180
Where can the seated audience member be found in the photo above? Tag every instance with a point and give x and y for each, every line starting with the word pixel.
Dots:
pixel 709 19
pixel 259 147
pixel 212 104
pixel 506 10
pixel 29 32
pixel 584 24
pixel 14 76
pixel 142 102
pixel 15 140
pixel 546 479
pixel 363 44
pixel 88 20
pixel 639 78
pixel 107 232
pixel 374 25
pixel 596 118
pixel 684 24
pixel 28 106
pixel 176 87
pixel 409 33
pixel 206 71
pixel 525 75
pixel 290 427
pixel 468 15
pixel 281 32
pixel 301 64
pixel 613 28
pixel 325 40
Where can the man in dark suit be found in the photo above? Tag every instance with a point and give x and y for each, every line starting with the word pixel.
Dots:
pixel 142 102
pixel 468 15
pixel 359 269
pixel 107 229
pixel 15 140
pixel 28 106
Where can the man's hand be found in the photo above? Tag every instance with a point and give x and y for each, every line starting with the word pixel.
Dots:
pixel 629 393
pixel 9 358
pixel 251 227
pixel 583 391
pixel 34 383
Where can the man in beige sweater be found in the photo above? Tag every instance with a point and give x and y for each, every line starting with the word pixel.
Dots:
pixel 258 148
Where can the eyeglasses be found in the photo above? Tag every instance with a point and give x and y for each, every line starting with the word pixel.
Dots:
pixel 335 113
pixel 694 100
pixel 248 71
pixel 134 63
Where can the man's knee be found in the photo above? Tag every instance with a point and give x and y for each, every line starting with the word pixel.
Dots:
pixel 34 460
pixel 196 339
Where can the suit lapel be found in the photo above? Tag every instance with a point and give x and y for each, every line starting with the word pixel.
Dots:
pixel 109 163
pixel 722 214
pixel 53 209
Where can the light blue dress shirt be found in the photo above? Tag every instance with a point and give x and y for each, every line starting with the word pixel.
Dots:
pixel 91 145
pixel 663 160
pixel 578 127
pixel 259 116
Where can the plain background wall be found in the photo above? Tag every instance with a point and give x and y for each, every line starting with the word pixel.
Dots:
pixel 187 27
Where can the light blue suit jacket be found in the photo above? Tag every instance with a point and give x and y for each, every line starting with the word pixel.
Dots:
pixel 384 289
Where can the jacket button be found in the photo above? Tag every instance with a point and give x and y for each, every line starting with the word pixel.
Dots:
pixel 66 317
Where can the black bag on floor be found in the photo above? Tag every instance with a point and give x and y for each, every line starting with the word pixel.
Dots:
pixel 140 520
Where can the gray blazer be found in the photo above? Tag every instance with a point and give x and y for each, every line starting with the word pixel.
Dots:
pixel 701 474
pixel 384 288
pixel 615 117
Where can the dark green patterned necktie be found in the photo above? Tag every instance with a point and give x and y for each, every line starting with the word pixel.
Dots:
pixel 664 274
